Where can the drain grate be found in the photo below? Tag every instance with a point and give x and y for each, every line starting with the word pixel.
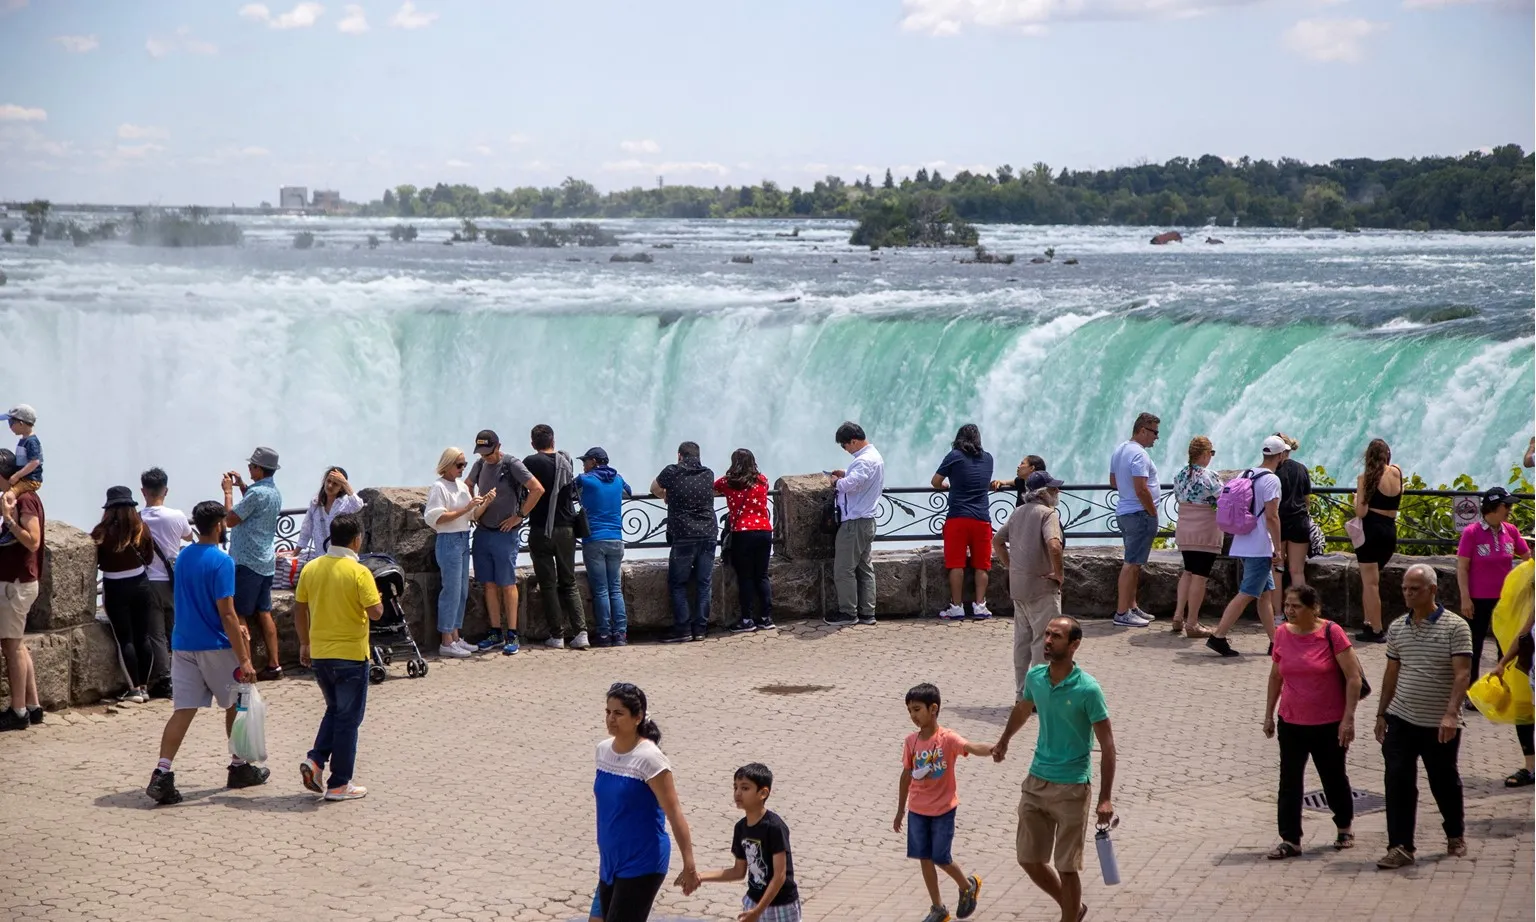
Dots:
pixel 1365 801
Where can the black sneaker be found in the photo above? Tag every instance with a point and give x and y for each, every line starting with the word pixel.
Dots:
pixel 743 626
pixel 10 720
pixel 247 776
pixel 699 635
pixel 1220 645
pixel 937 914
pixel 866 620
pixel 270 674
pixel 839 619
pixel 766 624
pixel 602 640
pixel 967 903
pixel 676 637
pixel 34 716
pixel 161 689
pixel 1367 635
pixel 621 639
pixel 162 788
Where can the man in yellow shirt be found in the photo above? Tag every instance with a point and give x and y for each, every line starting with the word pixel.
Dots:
pixel 336 599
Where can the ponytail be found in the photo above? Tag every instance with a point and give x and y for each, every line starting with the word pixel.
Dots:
pixel 649 730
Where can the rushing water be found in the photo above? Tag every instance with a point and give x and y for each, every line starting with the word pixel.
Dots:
pixel 377 359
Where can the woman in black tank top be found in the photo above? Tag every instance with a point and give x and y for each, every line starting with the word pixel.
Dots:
pixel 1377 512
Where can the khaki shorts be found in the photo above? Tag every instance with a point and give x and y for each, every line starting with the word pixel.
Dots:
pixel 15 601
pixel 1053 818
pixel 201 677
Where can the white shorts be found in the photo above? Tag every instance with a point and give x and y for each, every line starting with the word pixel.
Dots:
pixel 201 677
pixel 15 601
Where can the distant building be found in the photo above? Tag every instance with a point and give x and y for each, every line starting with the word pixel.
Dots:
pixel 293 197
pixel 327 200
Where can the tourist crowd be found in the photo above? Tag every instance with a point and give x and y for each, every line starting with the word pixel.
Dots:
pixel 216 602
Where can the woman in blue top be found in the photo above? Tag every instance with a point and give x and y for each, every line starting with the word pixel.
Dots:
pixel 635 800
pixel 601 492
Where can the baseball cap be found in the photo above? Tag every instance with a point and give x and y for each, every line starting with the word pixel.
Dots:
pixel 1275 445
pixel 1041 480
pixel 486 442
pixel 595 454
pixel 23 413
pixel 264 457
pixel 1497 496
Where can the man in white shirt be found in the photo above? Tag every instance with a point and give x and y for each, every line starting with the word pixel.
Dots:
pixel 170 529
pixel 1133 475
pixel 858 491
pixel 1259 551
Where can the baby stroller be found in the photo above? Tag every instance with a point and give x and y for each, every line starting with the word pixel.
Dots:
pixel 390 635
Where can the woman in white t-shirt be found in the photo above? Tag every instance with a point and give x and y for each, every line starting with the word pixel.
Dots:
pixel 448 511
pixel 336 497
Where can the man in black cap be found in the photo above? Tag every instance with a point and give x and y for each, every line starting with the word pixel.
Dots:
pixel 512 492
pixel 253 545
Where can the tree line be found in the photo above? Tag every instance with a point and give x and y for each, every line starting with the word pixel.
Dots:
pixel 1481 191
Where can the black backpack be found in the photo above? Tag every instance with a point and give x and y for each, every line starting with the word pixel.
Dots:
pixel 831 517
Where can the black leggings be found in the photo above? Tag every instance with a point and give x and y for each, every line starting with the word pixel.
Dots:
pixel 629 899
pixel 1320 742
pixel 1482 623
pixel 127 603
pixel 750 551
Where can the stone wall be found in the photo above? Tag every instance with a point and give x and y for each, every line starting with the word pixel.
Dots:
pixel 77 661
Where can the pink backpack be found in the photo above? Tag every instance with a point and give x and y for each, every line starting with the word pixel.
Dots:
pixel 1234 507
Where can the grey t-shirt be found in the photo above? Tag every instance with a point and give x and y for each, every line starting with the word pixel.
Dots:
pixel 507 478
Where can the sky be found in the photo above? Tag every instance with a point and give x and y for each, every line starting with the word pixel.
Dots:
pixel 209 102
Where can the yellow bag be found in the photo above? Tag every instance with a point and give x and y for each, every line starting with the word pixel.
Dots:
pixel 1494 697
pixel 1515 603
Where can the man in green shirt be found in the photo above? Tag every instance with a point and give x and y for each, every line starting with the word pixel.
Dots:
pixel 1053 809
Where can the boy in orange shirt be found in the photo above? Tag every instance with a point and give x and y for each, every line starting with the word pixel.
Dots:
pixel 928 798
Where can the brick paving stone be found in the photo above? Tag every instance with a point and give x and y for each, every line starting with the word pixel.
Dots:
pixel 480 802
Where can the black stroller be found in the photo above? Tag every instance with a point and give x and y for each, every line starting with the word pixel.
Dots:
pixel 390 635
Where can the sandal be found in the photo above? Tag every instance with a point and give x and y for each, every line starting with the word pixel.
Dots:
pixel 1282 851
pixel 1199 631
pixel 1520 779
pixel 1345 840
pixel 1178 625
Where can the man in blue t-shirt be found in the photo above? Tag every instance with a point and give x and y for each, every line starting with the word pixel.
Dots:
pixel 209 651
pixel 966 472
pixel 1134 477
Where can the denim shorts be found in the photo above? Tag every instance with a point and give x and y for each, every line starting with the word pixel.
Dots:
pixel 931 837
pixel 1138 529
pixel 1258 576
pixel 253 592
pixel 495 556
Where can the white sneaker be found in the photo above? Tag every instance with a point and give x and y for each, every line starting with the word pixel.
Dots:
pixel 555 643
pixel 980 610
pixel 466 647
pixel 449 650
pixel 1136 610
pixel 579 642
pixel 1130 619
pixel 350 792
pixel 952 613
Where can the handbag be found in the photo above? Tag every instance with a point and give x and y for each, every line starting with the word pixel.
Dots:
pixel 581 527
pixel 1365 684
pixel 1356 531
pixel 831 517
pixel 725 537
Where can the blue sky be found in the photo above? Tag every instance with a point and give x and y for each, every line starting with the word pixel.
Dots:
pixel 181 101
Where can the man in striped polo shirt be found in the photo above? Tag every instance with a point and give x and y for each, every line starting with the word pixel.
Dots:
pixel 1429 663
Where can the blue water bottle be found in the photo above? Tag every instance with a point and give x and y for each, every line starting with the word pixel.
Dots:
pixel 1106 849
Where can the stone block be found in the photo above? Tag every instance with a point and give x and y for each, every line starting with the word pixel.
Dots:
pixel 95 666
pixel 420 605
pixel 647 601
pixel 898 583
pixel 51 655
pixel 66 593
pixel 1090 580
pixel 801 589
pixel 477 622
pixel 393 525
pixel 797 517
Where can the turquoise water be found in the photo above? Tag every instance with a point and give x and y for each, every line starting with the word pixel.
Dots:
pixel 376 360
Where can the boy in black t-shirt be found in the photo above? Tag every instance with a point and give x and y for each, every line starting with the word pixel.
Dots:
pixel 761 846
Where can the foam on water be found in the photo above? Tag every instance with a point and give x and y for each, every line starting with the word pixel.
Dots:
pixel 377 359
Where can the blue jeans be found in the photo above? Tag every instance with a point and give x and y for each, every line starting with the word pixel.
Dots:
pixel 453 561
pixel 693 560
pixel 931 838
pixel 604 562
pixel 344 683
pixel 1138 529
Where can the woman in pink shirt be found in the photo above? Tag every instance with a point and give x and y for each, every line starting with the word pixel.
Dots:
pixel 1316 680
pixel 1489 549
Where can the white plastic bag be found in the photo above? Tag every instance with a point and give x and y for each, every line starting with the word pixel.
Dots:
pixel 248 736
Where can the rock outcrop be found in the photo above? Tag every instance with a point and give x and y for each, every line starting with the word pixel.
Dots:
pixel 67 591
pixel 1168 237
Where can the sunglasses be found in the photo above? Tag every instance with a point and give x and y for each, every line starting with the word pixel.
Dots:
pixel 461 464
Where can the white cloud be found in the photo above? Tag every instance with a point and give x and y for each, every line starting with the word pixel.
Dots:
pixel 28 140
pixel 671 166
pixel 517 139
pixel 483 150
pixel 10 112
pixel 301 16
pixel 814 168
pixel 356 21
pixel 1331 40
pixel 456 164
pixel 1030 17
pixel 407 17
pixel 159 46
pixel 640 147
pixel 79 44
pixel 141 132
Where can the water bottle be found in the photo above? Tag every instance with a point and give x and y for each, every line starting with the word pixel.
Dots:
pixel 1106 849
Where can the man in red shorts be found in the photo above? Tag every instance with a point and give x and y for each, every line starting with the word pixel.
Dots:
pixel 966 472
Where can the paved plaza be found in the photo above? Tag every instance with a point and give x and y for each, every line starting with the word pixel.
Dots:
pixel 480 803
